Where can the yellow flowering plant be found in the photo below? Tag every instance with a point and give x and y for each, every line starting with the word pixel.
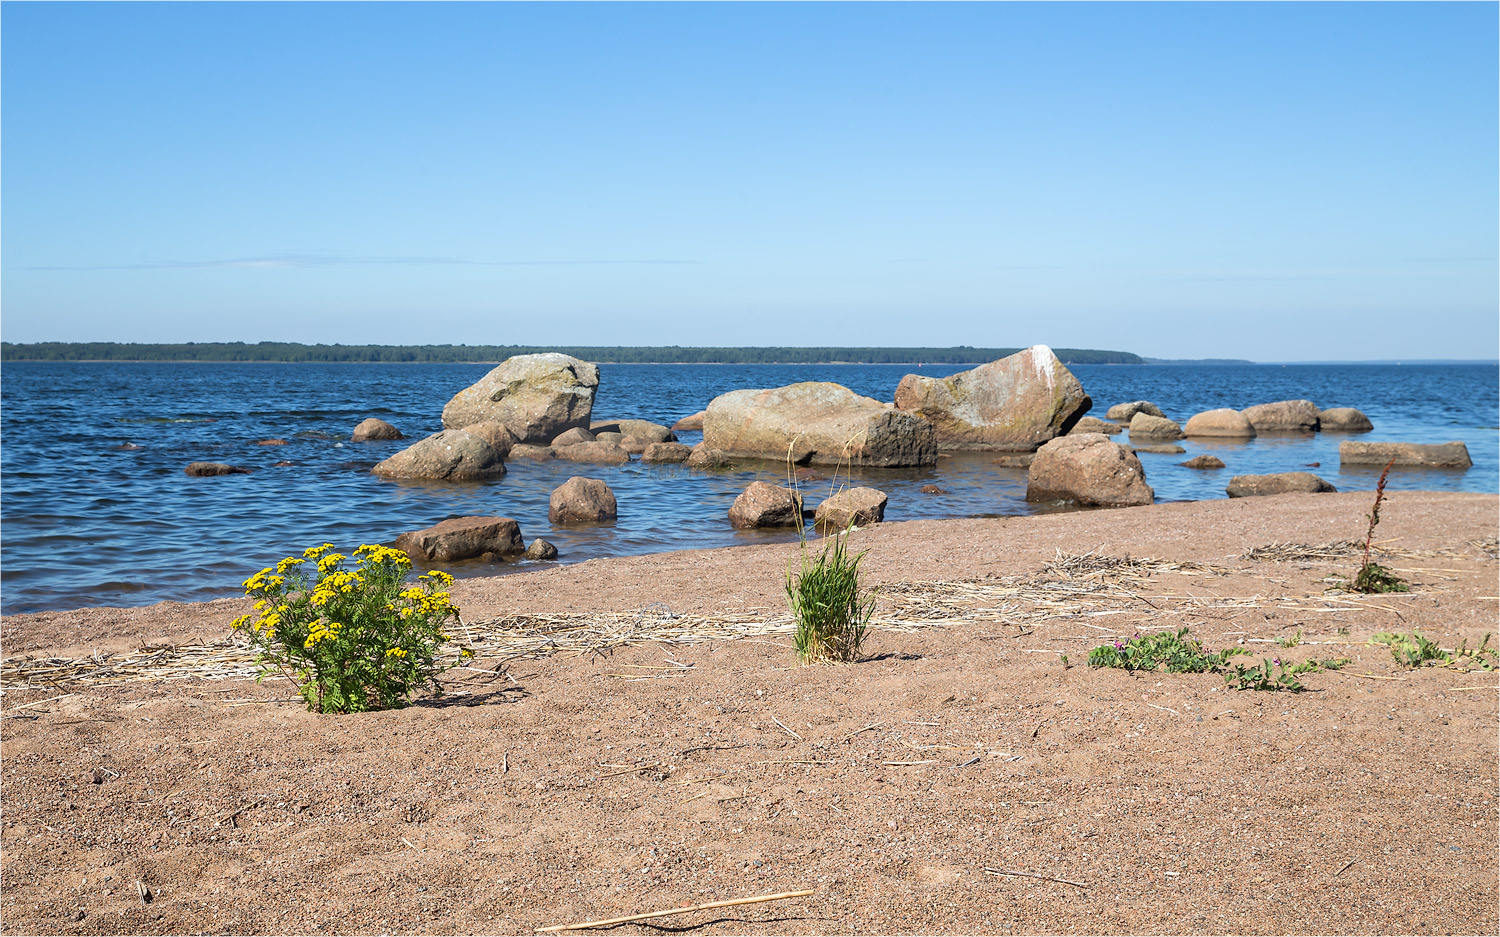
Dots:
pixel 351 639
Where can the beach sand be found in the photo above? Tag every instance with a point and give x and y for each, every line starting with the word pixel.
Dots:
pixel 651 776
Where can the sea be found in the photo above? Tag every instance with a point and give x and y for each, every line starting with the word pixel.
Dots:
pixel 95 509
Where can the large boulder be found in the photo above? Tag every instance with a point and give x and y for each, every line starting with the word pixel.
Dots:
pixel 1012 405
pixel 819 422
pixel 1145 426
pixel 582 501
pixel 536 396
pixel 452 455
pixel 210 469
pixel 763 504
pixel 1283 416
pixel 1344 420
pixel 603 453
pixel 500 438
pixel 1279 483
pixel 858 506
pixel 374 429
pixel 1092 424
pixel 666 452
pixel 1088 469
pixel 1125 412
pixel 460 538
pixel 692 423
pixel 1225 423
pixel 1435 455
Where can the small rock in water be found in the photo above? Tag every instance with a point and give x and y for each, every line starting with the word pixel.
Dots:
pixel 283 464
pixel 582 501
pixel 932 490
pixel 1204 462
pixel 1020 460
pixel 374 429
pixel 541 550
pixel 1313 465
pixel 271 442
pixel 127 446
pixel 1162 449
pixel 210 469
pixel 763 504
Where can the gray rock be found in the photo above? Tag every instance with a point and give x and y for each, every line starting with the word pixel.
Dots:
pixel 1163 449
pixel 210 469
pixel 704 457
pixel 531 453
pixel 666 452
pixel 451 455
pixel 1279 483
pixel 1014 404
pixel 601 453
pixel 582 501
pixel 1125 412
pixel 1088 469
pixel 500 438
pixel 1344 420
pixel 462 538
pixel 858 506
pixel 1145 426
pixel 610 437
pixel 692 423
pixel 1019 460
pixel 573 436
pixel 1283 416
pixel 374 429
pixel 537 397
pixel 819 422
pixel 541 550
pixel 635 445
pixel 1092 424
pixel 1435 455
pixel 762 504
pixel 641 429
pixel 1204 462
pixel 1223 423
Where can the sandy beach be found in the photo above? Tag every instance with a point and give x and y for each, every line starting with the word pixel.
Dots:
pixel 604 759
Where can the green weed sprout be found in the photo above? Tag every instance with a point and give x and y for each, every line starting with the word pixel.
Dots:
pixel 1413 651
pixel 1372 577
pixel 352 640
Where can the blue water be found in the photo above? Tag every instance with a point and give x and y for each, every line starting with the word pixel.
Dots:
pixel 88 523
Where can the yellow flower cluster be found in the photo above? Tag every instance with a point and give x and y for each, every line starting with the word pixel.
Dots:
pixel 395 652
pixel 439 576
pixel 288 564
pixel 331 561
pixel 322 632
pixel 263 580
pixel 373 553
pixel 312 553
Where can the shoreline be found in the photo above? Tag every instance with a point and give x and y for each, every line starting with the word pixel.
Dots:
pixel 961 777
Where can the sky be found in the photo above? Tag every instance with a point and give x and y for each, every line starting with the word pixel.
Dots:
pixel 1276 182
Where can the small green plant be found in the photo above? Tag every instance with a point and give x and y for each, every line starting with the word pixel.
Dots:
pixel 1372 577
pixel 352 640
pixel 831 613
pixel 1272 675
pixel 1343 631
pixel 1290 640
pixel 1174 651
pixel 1413 651
pixel 1064 659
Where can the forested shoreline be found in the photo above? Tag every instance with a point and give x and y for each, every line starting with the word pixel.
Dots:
pixel 441 354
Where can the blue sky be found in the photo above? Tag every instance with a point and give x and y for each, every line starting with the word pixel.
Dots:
pixel 1277 182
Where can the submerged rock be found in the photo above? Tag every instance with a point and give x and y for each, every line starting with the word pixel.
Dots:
pixel 704 457
pixel 603 453
pixel 451 455
pixel 532 453
pixel 582 501
pixel 1278 483
pixel 1014 404
pixel 666 452
pixel 1434 455
pixel 374 429
pixel 537 397
pixel 462 538
pixel 1088 469
pixel 210 469
pixel 819 422
pixel 1162 449
pixel 1204 462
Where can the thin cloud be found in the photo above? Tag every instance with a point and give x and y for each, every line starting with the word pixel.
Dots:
pixel 321 260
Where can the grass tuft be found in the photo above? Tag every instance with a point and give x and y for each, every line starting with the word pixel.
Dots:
pixel 831 612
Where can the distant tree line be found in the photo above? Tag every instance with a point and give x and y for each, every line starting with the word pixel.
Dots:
pixel 441 354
